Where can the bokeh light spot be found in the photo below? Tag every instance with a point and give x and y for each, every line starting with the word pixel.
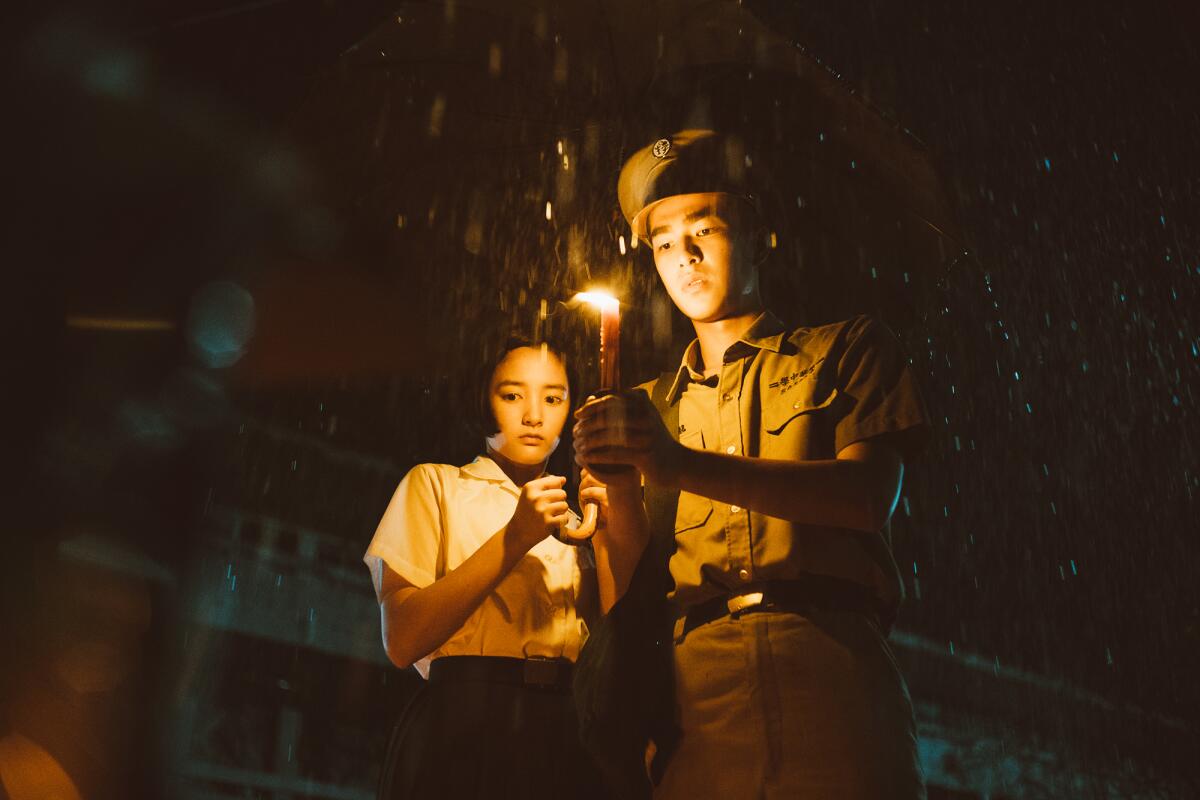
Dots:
pixel 220 323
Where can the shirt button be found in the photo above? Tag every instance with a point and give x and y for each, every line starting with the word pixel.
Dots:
pixel 726 397
pixel 744 574
pixel 735 509
pixel 731 449
pixel 796 404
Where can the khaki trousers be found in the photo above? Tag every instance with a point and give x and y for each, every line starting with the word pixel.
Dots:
pixel 779 705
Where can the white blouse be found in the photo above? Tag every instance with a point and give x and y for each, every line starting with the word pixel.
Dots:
pixel 439 516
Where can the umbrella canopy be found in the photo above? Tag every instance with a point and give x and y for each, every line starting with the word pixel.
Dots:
pixel 526 73
pixel 477 148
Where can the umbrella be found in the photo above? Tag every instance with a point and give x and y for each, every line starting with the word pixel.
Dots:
pixel 476 146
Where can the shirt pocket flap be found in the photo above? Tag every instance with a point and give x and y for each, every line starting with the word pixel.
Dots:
pixel 782 410
pixel 693 511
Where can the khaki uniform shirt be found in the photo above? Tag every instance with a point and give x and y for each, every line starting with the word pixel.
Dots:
pixel 439 516
pixel 803 394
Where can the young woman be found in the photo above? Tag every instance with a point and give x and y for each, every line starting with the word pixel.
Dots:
pixel 476 592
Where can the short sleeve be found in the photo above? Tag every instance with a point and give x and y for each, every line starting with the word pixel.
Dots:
pixel 879 391
pixel 410 535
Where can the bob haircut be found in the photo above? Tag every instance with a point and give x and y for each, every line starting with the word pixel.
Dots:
pixel 482 421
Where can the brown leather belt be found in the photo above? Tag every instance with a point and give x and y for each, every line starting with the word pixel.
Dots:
pixel 553 674
pixel 799 596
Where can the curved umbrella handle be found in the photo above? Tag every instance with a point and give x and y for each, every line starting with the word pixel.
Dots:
pixel 586 529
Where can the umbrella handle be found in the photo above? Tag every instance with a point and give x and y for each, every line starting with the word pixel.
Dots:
pixel 586 529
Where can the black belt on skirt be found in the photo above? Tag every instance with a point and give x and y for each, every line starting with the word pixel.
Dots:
pixel 550 674
pixel 798 596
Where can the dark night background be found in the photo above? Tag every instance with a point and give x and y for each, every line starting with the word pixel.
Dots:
pixel 1051 527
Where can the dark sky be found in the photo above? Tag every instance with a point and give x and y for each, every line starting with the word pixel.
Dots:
pixel 1068 132
pixel 1052 525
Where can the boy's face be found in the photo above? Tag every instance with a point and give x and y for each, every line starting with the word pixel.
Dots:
pixel 529 399
pixel 703 250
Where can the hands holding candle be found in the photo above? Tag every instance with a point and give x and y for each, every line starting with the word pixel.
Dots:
pixel 625 430
pixel 617 435
pixel 592 493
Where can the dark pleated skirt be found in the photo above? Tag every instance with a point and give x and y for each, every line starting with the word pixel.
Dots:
pixel 478 739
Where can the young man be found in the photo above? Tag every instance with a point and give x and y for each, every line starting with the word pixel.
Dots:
pixel 786 447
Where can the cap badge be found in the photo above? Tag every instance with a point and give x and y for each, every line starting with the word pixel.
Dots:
pixel 661 148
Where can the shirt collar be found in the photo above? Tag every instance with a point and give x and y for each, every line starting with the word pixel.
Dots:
pixel 765 333
pixel 485 469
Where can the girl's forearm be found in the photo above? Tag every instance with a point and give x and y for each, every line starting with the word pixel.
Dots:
pixel 418 621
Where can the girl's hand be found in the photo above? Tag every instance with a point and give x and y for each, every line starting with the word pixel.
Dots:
pixel 541 510
pixel 591 490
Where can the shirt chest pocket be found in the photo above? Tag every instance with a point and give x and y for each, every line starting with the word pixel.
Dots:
pixel 785 415
pixel 693 511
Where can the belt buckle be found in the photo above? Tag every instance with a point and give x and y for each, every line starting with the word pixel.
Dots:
pixel 741 602
pixel 540 672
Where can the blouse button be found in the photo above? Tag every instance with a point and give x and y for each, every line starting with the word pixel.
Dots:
pixel 796 404
pixel 735 509
pixel 731 449
pixel 744 574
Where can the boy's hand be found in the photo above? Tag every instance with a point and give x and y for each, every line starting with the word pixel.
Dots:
pixel 625 429
pixel 541 510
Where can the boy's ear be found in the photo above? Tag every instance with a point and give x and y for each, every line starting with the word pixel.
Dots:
pixel 764 243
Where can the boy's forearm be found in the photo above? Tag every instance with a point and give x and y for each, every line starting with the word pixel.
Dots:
pixel 839 493
pixel 619 545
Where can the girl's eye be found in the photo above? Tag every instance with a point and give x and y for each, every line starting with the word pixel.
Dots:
pixel 554 399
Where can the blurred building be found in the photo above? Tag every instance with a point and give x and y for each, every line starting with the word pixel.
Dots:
pixel 284 691
pixel 283 687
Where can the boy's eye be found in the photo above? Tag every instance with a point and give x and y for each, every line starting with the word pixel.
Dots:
pixel 663 246
pixel 510 396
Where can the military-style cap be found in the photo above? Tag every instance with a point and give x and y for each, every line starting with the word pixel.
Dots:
pixel 687 162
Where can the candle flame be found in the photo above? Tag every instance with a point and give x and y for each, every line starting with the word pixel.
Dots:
pixel 601 300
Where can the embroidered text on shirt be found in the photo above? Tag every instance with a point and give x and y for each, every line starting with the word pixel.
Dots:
pixel 789 381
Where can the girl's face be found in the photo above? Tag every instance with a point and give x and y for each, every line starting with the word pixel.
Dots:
pixel 529 397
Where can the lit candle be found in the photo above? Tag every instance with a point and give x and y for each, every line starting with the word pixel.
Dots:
pixel 610 338
pixel 610 381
